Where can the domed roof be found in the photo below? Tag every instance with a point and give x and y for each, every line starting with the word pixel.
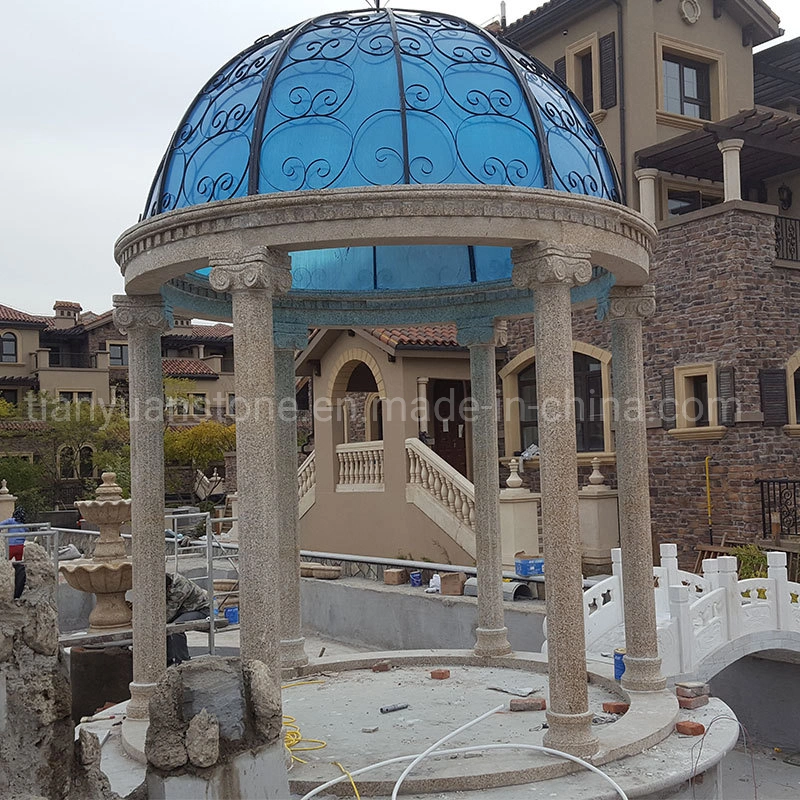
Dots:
pixel 380 97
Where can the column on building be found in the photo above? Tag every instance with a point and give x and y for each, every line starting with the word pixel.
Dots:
pixel 647 193
pixel 422 404
pixel 551 271
pixel 143 318
pixel 253 279
pixel 491 633
pixel 628 308
pixel 289 338
pixel 731 167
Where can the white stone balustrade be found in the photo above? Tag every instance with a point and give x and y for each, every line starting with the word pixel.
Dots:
pixel 306 476
pixel 700 618
pixel 360 467
pixel 445 484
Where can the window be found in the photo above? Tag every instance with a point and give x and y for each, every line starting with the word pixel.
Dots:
pixel 684 201
pixel 687 88
pixel 589 68
pixel 74 397
pixel 10 396
pixel 701 403
pixel 590 426
pixel 691 84
pixel 587 81
pixel 194 404
pixel 231 410
pixel 118 355
pixel 74 463
pixel 8 349
pixel 771 400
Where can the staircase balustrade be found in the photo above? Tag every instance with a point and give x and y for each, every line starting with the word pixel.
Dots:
pixel 360 467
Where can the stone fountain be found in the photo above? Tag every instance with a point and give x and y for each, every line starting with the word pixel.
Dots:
pixel 109 573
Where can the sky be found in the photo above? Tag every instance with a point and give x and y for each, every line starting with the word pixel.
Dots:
pixel 93 90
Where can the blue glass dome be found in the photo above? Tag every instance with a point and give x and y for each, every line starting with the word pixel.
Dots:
pixel 383 97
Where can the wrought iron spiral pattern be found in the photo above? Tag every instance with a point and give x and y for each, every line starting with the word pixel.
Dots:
pixel 382 97
pixel 379 98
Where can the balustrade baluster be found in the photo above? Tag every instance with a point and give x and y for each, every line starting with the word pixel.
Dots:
pixel 451 497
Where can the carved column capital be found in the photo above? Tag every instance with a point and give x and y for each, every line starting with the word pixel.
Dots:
pixel 548 263
pixel 632 302
pixel 141 311
pixel 263 268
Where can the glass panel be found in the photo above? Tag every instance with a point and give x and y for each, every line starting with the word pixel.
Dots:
pixel 672 87
pixel 690 88
pixel 9 395
pixel 465 125
pixel 417 267
pixel 66 462
pixel 492 263
pixel 587 82
pixel 528 410
pixel 9 351
pixel 578 157
pixel 208 159
pixel 697 403
pixel 84 397
pixel 86 465
pixel 692 110
pixel 325 126
pixel 343 269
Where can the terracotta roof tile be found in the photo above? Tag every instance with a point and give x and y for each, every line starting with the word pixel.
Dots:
pixel 8 314
pixel 418 336
pixel 186 368
pixel 218 331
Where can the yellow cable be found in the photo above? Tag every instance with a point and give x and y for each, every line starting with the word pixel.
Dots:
pixel 352 782
pixel 293 737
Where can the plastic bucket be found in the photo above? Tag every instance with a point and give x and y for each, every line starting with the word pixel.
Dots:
pixel 416 578
pixel 619 662
pixel 232 615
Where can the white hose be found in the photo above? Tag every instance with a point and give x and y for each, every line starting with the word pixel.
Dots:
pixel 474 748
pixel 441 741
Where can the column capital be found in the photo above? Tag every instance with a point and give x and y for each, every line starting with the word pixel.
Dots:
pixel 730 144
pixel 549 263
pixel 632 302
pixel 263 268
pixel 475 330
pixel 646 173
pixel 141 311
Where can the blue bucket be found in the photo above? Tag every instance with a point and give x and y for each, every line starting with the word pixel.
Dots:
pixel 619 662
pixel 416 578
pixel 232 615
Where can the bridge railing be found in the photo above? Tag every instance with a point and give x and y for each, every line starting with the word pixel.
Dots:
pixel 696 615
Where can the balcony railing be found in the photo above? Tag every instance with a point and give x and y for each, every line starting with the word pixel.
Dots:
pixel 787 238
pixel 71 360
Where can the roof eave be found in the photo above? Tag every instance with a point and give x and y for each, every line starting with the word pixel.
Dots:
pixel 539 25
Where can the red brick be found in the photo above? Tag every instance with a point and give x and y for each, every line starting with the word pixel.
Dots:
pixel 382 666
pixel 615 707
pixel 693 702
pixel 528 704
pixel 689 728
pixel 692 689
pixel 440 674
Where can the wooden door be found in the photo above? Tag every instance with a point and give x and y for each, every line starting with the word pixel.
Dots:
pixel 449 428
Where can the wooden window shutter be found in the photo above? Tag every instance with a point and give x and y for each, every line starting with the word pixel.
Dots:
pixel 726 394
pixel 560 68
pixel 774 402
pixel 608 71
pixel 668 400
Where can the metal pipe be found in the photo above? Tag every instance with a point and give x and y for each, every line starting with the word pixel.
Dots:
pixel 623 134
pixel 708 501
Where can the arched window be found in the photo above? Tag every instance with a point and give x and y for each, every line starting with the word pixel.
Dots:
pixel 72 464
pixel 588 404
pixel 86 462
pixel 8 348
pixel 592 369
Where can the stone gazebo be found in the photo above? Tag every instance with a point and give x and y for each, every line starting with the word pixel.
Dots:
pixel 381 168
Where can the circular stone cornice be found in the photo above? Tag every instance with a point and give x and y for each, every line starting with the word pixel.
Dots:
pixel 178 242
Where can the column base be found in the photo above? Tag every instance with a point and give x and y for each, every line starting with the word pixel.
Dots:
pixel 643 675
pixel 571 733
pixel 492 642
pixel 293 653
pixel 139 704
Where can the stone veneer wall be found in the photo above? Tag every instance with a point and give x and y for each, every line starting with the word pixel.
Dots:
pixel 719 299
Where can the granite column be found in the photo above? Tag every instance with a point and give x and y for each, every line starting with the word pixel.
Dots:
pixel 143 318
pixel 629 306
pixel 551 271
pixel 253 279
pixel 288 339
pixel 491 633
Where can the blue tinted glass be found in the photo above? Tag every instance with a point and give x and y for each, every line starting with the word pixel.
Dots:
pixel 578 157
pixel 492 263
pixel 420 267
pixel 467 118
pixel 348 269
pixel 209 155
pixel 332 117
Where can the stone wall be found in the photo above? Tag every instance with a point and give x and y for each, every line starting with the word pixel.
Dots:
pixel 720 300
